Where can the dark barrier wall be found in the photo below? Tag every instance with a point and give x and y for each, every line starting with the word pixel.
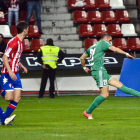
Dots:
pixel 72 61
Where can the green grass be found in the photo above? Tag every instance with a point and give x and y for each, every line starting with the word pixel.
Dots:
pixel 117 118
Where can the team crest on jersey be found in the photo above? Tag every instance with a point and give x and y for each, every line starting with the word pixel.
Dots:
pixel 10 85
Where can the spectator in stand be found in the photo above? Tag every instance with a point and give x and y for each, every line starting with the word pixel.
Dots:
pixel 2 45
pixel 31 5
pixel 2 5
pixel 13 9
pixel 79 3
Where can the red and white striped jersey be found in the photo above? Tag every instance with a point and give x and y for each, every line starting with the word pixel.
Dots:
pixel 13 51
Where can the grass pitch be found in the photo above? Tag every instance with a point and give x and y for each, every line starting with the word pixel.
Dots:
pixel 117 118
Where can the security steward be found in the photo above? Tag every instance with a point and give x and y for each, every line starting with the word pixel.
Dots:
pixel 49 56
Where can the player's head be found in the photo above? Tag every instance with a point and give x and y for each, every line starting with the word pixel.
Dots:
pixel 22 28
pixel 1 38
pixel 49 42
pixel 107 37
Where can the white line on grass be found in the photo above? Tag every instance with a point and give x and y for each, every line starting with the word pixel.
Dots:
pixel 74 109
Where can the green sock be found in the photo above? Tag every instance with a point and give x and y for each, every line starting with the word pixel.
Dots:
pixel 98 100
pixel 129 91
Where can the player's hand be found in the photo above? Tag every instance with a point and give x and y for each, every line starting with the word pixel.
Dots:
pixel 130 57
pixel 13 76
pixel 87 70
pixel 24 69
pixel 1 53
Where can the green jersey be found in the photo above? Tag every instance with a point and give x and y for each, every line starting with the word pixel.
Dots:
pixel 97 53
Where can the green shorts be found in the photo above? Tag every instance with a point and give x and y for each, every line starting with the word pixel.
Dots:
pixel 101 77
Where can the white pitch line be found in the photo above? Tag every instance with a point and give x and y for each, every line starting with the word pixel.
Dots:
pixel 74 109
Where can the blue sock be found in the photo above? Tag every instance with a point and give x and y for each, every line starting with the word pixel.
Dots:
pixel 2 115
pixel 10 108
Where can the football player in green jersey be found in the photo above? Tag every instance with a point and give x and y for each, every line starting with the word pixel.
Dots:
pixel 99 73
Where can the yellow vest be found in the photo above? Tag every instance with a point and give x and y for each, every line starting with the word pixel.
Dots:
pixel 50 55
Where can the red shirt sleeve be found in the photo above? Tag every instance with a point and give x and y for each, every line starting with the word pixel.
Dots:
pixel 11 47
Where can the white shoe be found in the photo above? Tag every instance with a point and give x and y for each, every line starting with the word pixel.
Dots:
pixel 9 119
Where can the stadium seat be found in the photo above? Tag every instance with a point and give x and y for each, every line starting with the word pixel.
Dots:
pixel 134 44
pixel 4 29
pixel 108 16
pixel 94 17
pixel 89 42
pixel 103 4
pixel 26 46
pixel 33 31
pixel 114 30
pixel 2 18
pixel 120 43
pixel 99 29
pixel 70 2
pixel 117 4
pixel 80 17
pixel 23 17
pixel 36 44
pixel 6 40
pixel 122 16
pixel 85 30
pixel 14 30
pixel 128 30
pixel 90 4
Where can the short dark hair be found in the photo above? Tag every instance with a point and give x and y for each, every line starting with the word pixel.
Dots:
pixel 1 35
pixel 21 26
pixel 49 42
pixel 105 35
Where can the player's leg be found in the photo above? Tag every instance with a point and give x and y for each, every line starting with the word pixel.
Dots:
pixel 14 98
pixel 44 78
pixel 114 82
pixel 52 79
pixel 101 78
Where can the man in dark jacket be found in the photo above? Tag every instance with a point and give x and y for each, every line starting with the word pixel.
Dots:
pixel 2 45
pixel 48 56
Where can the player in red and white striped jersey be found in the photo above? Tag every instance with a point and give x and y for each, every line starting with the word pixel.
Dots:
pixel 10 78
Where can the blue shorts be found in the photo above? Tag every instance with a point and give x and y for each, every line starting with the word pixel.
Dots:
pixel 8 84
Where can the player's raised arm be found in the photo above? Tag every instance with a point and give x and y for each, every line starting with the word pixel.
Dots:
pixel 118 50
pixel 82 59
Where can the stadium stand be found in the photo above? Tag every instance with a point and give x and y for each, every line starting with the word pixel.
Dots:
pixel 103 4
pixel 108 16
pixel 80 17
pixel 134 44
pixel 89 42
pixel 122 16
pixel 36 44
pixel 13 30
pixel 94 17
pixel 90 4
pixel 128 30
pixel 26 46
pixel 114 30
pixel 85 30
pixel 33 31
pixel 4 29
pixel 99 29
pixel 117 4
pixel 120 43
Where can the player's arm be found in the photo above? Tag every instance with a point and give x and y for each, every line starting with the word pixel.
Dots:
pixel 82 59
pixel 118 50
pixel 24 69
pixel 6 64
